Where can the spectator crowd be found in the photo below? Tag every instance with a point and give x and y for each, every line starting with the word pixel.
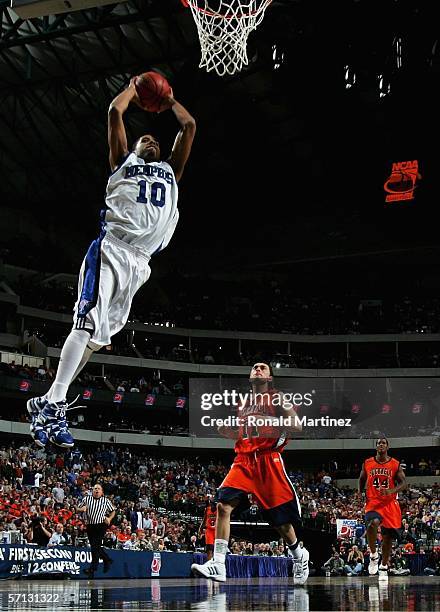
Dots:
pixel 160 502
pixel 261 306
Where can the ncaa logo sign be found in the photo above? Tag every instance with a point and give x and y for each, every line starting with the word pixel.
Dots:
pixel 156 564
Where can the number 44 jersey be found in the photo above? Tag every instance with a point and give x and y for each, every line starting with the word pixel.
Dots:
pixel 380 476
pixel 141 204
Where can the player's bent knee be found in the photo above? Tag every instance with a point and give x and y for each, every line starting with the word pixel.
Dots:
pixel 93 346
pixel 284 529
pixel 224 509
pixel 375 522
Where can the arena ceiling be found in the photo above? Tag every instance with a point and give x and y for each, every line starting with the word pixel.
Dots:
pixel 288 138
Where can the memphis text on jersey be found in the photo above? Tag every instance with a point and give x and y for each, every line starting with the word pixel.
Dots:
pixel 147 170
pixel 253 420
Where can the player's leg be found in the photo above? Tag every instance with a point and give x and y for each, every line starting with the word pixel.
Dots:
pixel 215 568
pixel 287 532
pixel 235 487
pixel 75 353
pixel 277 497
pixel 372 522
pixel 209 542
pixel 388 535
pixel 387 544
pixel 110 276
pixel 239 482
pixel 48 412
pixel 209 551
pixel 390 530
pixel 299 554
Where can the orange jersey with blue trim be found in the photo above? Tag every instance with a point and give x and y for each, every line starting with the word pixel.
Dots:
pixel 380 476
pixel 252 438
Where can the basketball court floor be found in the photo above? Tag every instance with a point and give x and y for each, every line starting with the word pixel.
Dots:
pixel 363 593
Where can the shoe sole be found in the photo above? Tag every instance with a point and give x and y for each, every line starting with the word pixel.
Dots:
pixel 38 443
pixel 215 578
pixel 63 444
pixel 300 581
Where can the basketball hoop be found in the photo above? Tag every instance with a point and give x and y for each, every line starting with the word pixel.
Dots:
pixel 223 31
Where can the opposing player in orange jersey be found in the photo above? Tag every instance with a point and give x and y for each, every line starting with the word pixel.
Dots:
pixel 382 477
pixel 258 469
pixel 208 526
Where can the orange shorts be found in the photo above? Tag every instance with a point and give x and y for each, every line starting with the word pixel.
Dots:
pixel 390 514
pixel 264 476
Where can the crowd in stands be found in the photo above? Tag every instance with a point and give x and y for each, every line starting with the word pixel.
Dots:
pixel 160 502
pixel 124 402
pixel 351 561
pixel 143 383
pixel 257 305
pixel 226 352
pixel 27 372
pixel 415 467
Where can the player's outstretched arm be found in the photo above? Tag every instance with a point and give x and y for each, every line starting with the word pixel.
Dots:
pixel 184 139
pixel 117 137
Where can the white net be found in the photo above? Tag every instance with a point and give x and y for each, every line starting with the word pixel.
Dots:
pixel 223 27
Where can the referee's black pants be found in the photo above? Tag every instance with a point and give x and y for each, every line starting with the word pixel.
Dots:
pixel 96 535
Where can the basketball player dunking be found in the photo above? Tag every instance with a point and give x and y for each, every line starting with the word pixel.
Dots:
pixel 258 469
pixel 383 478
pixel 139 220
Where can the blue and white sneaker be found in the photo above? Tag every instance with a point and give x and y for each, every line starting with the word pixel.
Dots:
pixel 34 406
pixel 52 418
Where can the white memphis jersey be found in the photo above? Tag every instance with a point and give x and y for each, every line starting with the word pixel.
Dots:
pixel 141 204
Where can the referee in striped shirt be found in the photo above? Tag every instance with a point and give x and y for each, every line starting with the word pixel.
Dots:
pixel 99 514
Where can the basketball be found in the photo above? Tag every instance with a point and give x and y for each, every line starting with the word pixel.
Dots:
pixel 152 88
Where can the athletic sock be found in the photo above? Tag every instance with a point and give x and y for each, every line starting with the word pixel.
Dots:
pixel 295 550
pixel 71 357
pixel 88 352
pixel 220 548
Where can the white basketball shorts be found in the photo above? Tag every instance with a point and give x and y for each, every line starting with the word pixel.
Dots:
pixel 111 273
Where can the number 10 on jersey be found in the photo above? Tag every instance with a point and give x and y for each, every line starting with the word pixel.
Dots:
pixel 157 193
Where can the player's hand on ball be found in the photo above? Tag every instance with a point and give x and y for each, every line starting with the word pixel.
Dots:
pixel 167 103
pixel 135 99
